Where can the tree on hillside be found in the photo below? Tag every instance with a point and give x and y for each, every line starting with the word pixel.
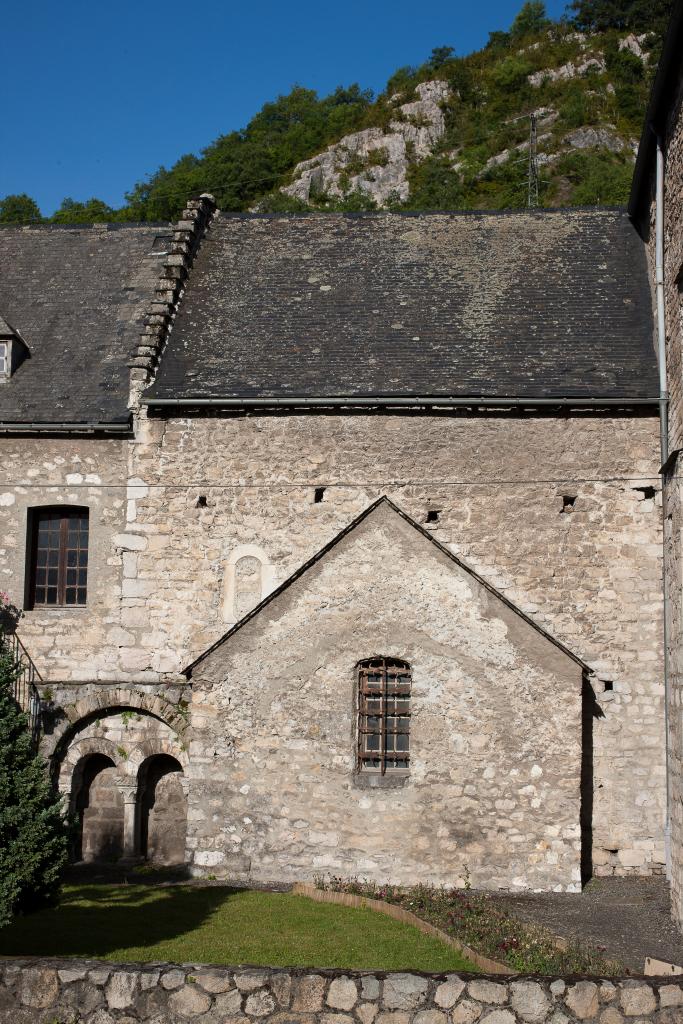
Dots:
pixel 531 19
pixel 33 829
pixel 19 209
pixel 624 15
pixel 92 212
pixel 439 56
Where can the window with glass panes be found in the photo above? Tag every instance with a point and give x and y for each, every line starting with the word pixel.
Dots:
pixel 383 715
pixel 60 556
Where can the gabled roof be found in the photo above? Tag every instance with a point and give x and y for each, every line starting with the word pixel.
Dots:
pixel 387 503
pixel 78 297
pixel 664 94
pixel 532 304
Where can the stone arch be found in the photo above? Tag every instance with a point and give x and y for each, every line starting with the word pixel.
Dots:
pixel 77 754
pixel 161 820
pixel 155 748
pixel 103 702
pixel 249 577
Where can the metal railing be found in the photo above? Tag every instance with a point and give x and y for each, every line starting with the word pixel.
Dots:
pixel 24 689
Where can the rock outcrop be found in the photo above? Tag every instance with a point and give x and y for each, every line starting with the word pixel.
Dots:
pixel 595 65
pixel 374 161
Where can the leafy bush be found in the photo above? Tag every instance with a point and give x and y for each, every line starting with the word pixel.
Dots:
pixel 511 73
pixel 33 830
pixel 597 178
pixel 434 185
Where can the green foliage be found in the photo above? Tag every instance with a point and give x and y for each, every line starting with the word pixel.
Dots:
pixel 597 177
pixel 400 80
pixel 440 55
pixel 498 41
pixel 624 15
pixel 531 19
pixel 378 157
pixel 510 74
pixel 278 202
pixel 434 185
pixel 19 209
pixel 239 167
pixel 94 211
pixel 33 830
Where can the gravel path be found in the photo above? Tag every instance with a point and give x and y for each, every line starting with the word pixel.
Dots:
pixel 630 917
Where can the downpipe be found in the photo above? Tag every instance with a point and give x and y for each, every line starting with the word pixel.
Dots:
pixel 664 452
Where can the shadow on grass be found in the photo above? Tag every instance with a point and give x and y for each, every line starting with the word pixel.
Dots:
pixel 97 920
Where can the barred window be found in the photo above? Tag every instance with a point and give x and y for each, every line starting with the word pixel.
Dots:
pixel 59 556
pixel 383 715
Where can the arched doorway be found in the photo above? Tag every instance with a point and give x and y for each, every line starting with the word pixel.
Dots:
pixel 162 810
pixel 98 806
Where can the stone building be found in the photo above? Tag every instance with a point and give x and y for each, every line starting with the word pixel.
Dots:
pixel 662 144
pixel 339 539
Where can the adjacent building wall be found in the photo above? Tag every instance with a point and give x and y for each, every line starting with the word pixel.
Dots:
pixel 74 643
pixel 672 142
pixel 557 512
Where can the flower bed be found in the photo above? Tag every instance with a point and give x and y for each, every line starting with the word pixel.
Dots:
pixel 475 921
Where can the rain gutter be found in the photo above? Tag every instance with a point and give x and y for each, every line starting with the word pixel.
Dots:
pixel 390 401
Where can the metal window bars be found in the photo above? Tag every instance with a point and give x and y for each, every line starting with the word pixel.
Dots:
pixel 383 715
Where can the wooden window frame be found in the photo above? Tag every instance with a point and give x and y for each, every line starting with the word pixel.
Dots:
pixel 67 515
pixel 395 682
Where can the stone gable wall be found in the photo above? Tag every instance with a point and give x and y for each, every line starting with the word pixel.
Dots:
pixel 97 992
pixel 553 511
pixel 494 783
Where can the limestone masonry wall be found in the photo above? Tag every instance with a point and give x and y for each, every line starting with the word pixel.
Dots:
pixel 97 992
pixel 494 782
pixel 673 298
pixel 197 518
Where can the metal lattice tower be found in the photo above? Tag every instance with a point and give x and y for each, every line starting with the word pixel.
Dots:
pixel 532 173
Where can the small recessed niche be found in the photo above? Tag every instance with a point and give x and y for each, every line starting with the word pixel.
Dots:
pixel 567 503
pixel 609 685
pixel 318 495
pixel 433 515
pixel 201 501
pixel 647 492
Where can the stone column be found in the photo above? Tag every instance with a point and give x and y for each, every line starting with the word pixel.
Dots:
pixel 129 794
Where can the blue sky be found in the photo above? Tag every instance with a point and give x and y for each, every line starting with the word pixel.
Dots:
pixel 98 95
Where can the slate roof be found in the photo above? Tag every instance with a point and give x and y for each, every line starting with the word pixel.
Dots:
pixel 78 297
pixel 527 303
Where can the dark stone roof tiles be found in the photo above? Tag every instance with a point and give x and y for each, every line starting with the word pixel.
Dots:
pixel 530 304
pixel 78 297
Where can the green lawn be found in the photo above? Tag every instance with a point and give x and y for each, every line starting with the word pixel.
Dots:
pixel 220 925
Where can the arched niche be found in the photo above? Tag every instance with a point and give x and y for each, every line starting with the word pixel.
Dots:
pixel 249 577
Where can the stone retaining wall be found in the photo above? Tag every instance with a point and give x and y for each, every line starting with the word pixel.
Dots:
pixel 95 992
